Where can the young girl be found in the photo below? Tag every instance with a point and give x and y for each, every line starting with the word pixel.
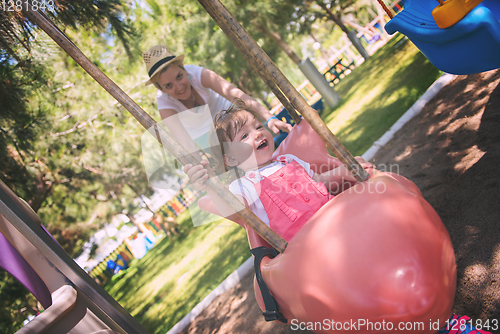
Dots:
pixel 283 192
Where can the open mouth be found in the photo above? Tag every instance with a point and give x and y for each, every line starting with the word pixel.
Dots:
pixel 263 144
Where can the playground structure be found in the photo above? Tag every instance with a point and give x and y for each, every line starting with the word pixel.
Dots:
pixel 471 45
pixel 73 300
pixel 338 63
pixel 144 236
pixel 110 316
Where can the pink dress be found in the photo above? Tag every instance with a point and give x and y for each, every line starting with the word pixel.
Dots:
pixel 289 196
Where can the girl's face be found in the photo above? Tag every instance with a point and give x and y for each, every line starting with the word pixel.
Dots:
pixel 252 146
pixel 174 81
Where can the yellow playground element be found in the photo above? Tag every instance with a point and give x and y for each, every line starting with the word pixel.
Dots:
pixel 450 12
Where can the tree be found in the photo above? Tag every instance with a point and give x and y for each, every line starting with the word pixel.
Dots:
pixel 62 140
pixel 306 12
pixel 336 16
pixel 16 303
pixel 31 146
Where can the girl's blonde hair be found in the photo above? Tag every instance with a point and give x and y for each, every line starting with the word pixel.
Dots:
pixel 226 124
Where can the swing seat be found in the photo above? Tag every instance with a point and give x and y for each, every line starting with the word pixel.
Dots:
pixel 470 46
pixel 377 251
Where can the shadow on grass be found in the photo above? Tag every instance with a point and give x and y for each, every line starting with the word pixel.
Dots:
pixel 408 84
pixel 452 152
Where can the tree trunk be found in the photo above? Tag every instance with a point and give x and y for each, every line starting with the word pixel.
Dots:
pixel 281 43
pixel 264 100
pixel 43 191
pixel 310 71
pixel 352 37
pixel 141 196
pixel 146 200
pixel 132 219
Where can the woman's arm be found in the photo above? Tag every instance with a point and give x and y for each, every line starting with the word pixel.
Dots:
pixel 178 130
pixel 210 79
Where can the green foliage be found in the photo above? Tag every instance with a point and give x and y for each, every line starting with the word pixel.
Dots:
pixel 53 128
pixel 47 129
pixel 19 130
pixel 16 303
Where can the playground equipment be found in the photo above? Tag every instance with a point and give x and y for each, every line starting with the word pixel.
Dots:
pixel 471 45
pixel 391 260
pixel 114 267
pixel 450 12
pixel 73 302
pixel 339 70
pixel 378 251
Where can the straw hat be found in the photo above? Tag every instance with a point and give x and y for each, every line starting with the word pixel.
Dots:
pixel 157 58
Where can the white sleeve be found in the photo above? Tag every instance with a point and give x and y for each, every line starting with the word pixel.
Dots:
pixel 245 189
pixel 304 164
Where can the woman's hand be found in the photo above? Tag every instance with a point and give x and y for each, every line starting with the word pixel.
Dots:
pixel 275 125
pixel 335 178
pixel 364 163
pixel 197 174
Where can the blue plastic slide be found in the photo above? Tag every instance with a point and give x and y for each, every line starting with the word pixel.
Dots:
pixel 470 46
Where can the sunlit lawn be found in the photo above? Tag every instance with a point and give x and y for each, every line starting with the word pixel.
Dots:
pixel 174 276
pixel 378 92
pixel 162 287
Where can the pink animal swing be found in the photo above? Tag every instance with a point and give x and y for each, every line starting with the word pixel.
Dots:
pixel 377 252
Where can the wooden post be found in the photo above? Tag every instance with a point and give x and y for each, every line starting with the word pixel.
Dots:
pixel 247 45
pixel 149 123
pixel 389 13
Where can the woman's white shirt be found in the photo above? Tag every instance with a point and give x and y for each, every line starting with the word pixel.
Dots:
pixel 197 121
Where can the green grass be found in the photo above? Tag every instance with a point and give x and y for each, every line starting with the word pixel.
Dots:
pixel 378 92
pixel 174 276
pixel 162 287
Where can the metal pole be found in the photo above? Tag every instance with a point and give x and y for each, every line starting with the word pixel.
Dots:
pixel 247 45
pixel 318 80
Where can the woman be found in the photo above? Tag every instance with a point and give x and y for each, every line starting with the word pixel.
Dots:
pixel 190 96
